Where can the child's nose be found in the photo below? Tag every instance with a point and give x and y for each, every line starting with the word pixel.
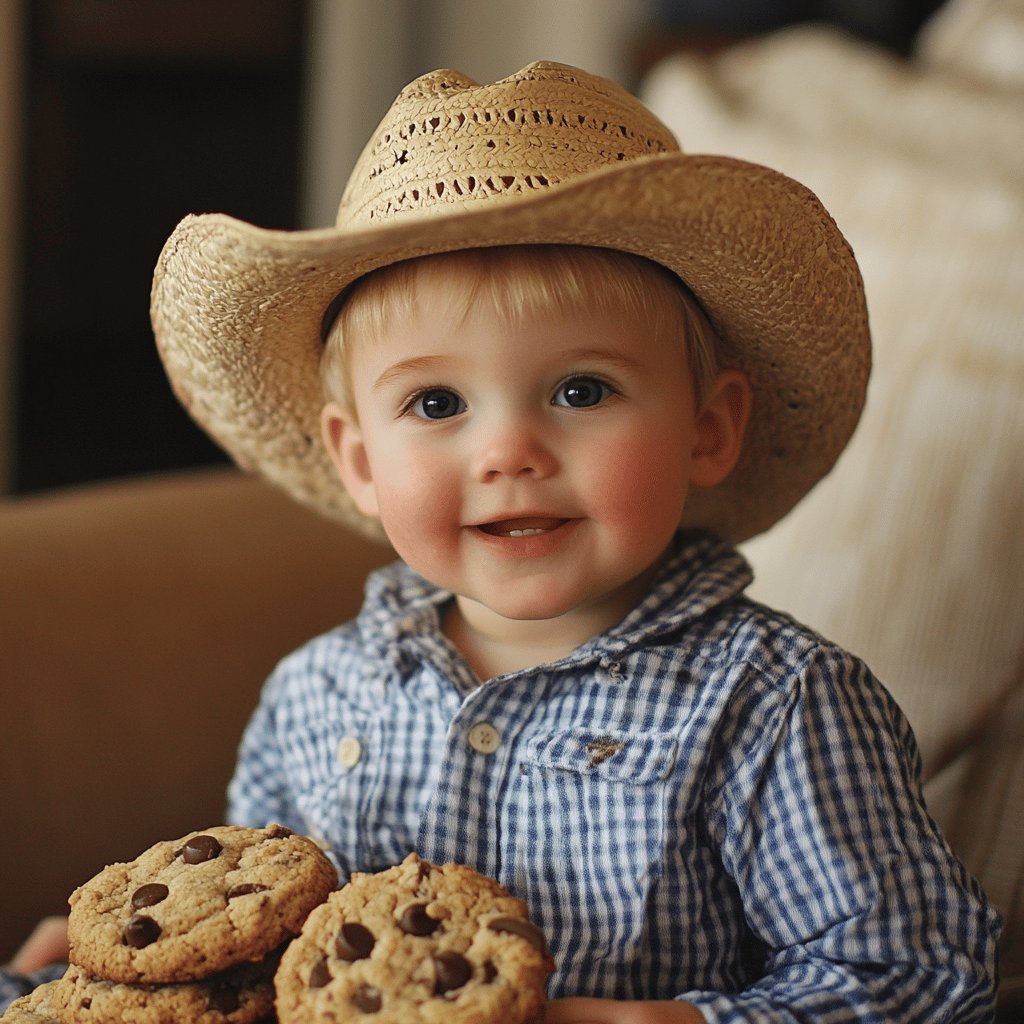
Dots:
pixel 513 447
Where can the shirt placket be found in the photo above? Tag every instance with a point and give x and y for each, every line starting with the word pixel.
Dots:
pixel 460 821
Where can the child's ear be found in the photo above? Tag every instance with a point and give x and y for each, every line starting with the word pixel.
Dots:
pixel 721 424
pixel 344 443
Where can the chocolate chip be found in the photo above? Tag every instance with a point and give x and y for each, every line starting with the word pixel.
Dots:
pixel 245 889
pixel 320 975
pixel 223 999
pixel 148 895
pixel 452 970
pixel 141 931
pixel 86 1003
pixel 524 929
pixel 367 998
pixel 199 849
pixel 490 972
pixel 354 942
pixel 278 832
pixel 415 920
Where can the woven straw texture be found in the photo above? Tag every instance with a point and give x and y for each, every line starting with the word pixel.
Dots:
pixel 549 155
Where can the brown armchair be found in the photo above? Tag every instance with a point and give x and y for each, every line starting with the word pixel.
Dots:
pixel 137 623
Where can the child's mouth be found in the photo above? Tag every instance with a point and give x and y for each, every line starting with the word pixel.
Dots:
pixel 531 526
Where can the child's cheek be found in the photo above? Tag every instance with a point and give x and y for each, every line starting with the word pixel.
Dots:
pixel 640 477
pixel 418 502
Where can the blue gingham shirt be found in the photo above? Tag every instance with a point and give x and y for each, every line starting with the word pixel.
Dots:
pixel 707 801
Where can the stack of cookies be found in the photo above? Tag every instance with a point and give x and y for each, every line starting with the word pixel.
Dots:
pixel 416 944
pixel 192 930
pixel 207 928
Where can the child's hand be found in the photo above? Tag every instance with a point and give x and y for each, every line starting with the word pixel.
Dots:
pixel 47 944
pixel 615 1011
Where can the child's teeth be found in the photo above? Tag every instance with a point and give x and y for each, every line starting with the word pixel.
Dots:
pixel 522 526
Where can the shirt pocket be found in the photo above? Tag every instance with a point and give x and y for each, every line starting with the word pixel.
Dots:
pixel 590 845
pixel 616 757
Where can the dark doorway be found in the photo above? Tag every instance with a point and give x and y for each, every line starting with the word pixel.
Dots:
pixel 136 114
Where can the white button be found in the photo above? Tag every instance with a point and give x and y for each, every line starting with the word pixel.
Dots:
pixel 484 738
pixel 350 750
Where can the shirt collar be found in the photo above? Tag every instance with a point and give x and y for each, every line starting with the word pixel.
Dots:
pixel 699 572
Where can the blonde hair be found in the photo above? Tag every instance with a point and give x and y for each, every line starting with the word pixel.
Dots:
pixel 526 280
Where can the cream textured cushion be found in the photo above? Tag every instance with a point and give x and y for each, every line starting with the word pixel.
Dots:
pixel 911 553
pixel 980 39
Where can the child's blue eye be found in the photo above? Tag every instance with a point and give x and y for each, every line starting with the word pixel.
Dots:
pixel 581 393
pixel 437 404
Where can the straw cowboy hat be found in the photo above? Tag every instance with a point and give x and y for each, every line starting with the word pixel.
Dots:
pixel 549 155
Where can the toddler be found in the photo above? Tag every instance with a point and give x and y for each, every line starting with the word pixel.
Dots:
pixel 564 369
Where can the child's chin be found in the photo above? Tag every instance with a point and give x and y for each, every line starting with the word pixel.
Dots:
pixel 527 606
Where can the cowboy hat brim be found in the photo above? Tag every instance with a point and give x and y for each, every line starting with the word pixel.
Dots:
pixel 237 312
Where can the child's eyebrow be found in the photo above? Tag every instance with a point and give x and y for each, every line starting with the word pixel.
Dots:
pixel 415 364
pixel 418 364
pixel 600 355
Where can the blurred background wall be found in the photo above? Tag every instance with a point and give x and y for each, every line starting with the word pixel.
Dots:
pixel 10 164
pixel 118 117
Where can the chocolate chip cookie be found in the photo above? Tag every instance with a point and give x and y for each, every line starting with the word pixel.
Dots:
pixel 192 907
pixel 240 995
pixel 416 943
pixel 35 1008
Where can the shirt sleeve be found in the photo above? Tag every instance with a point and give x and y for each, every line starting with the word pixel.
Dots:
pixel 258 793
pixel 13 986
pixel 857 908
